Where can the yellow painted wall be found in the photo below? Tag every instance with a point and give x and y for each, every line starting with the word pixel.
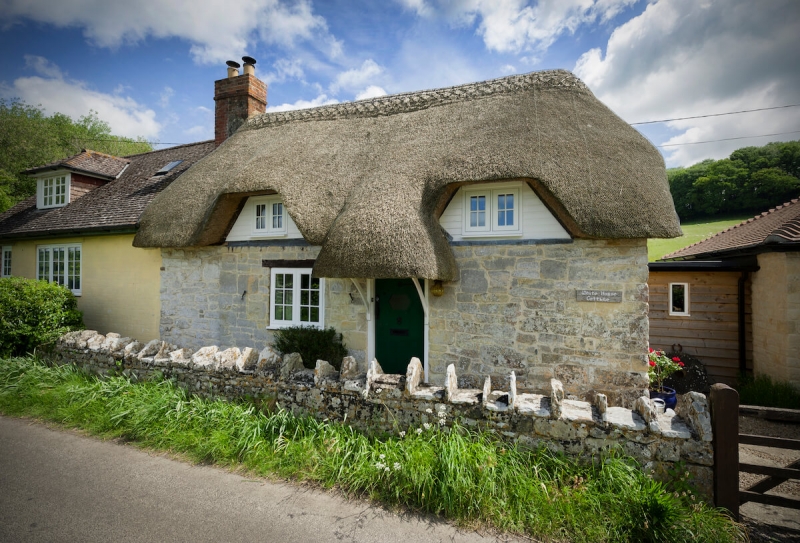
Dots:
pixel 120 283
pixel 776 316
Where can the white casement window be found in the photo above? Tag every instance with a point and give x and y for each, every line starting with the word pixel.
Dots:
pixel 5 262
pixel 296 298
pixel 53 191
pixel 270 217
pixel 679 299
pixel 60 264
pixel 494 212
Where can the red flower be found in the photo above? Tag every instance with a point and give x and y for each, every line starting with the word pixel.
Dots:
pixel 676 359
pixel 680 364
pixel 653 364
pixel 651 349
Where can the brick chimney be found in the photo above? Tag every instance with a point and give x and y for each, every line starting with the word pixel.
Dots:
pixel 237 97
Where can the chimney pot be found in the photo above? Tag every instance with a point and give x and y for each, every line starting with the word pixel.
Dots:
pixel 249 65
pixel 233 68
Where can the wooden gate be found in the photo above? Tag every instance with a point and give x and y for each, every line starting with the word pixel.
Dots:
pixel 725 421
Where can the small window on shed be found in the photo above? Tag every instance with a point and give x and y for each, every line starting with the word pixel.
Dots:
pixel 166 169
pixel 679 299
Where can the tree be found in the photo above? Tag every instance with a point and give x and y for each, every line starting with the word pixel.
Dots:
pixel 29 138
pixel 753 179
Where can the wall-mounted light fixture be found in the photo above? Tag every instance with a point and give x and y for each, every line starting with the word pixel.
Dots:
pixel 438 288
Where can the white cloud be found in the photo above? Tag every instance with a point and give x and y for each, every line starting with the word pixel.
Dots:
pixel 199 131
pixel 513 26
pixel 420 7
pixel 373 91
pixel 681 58
pixel 321 100
pixel 284 69
pixel 357 77
pixel 216 30
pixel 74 98
pixel 42 66
pixel 164 97
pixel 508 69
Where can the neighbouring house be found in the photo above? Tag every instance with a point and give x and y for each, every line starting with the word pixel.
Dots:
pixel 733 300
pixel 496 226
pixel 78 231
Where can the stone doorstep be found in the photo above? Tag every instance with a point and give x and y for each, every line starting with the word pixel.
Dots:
pixel 575 410
pixel 429 393
pixel 619 417
pixel 672 426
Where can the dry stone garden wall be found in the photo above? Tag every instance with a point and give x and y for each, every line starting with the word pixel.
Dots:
pixel 376 402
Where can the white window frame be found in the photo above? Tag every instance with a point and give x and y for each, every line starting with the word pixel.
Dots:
pixel 297 274
pixel 685 312
pixel 5 261
pixel 269 229
pixel 51 199
pixel 51 274
pixel 492 228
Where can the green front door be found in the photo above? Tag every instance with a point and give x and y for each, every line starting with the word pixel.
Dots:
pixel 399 321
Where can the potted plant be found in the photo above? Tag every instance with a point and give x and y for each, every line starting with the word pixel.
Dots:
pixel 661 367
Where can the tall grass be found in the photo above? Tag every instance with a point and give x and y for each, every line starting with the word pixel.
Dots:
pixel 471 477
pixel 763 391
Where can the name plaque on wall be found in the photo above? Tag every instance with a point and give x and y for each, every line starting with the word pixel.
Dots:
pixel 611 296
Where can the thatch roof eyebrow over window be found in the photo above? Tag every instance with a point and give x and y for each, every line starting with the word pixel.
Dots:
pixel 364 179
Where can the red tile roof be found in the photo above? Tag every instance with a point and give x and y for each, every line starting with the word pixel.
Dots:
pixel 88 162
pixel 778 226
pixel 116 205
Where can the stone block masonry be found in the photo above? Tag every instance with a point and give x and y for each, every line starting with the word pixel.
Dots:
pixel 381 403
pixel 221 295
pixel 515 307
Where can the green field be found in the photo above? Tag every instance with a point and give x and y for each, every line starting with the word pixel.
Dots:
pixel 693 231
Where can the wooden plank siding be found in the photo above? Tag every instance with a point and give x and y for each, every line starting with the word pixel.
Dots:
pixel 711 331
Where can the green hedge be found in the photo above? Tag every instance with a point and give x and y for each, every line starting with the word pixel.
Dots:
pixel 33 313
pixel 312 343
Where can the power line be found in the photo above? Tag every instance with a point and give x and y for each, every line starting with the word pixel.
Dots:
pixel 715 114
pixel 728 139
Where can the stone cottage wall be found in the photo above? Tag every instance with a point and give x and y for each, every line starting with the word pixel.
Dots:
pixel 400 403
pixel 220 296
pixel 515 307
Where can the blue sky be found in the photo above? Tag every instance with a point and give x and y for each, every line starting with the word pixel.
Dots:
pixel 147 66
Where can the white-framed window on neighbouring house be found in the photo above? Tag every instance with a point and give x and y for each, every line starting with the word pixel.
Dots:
pixel 492 212
pixel 270 217
pixel 296 298
pixel 53 191
pixel 679 299
pixel 60 264
pixel 5 262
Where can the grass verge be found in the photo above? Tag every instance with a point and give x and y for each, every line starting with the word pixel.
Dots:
pixel 763 391
pixel 470 477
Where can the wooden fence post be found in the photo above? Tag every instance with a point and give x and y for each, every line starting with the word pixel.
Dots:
pixel 725 426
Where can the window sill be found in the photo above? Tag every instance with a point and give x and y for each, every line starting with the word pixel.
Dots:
pixel 500 234
pixel 267 235
pixel 290 324
pixel 680 315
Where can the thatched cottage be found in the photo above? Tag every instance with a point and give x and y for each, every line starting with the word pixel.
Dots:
pixel 496 226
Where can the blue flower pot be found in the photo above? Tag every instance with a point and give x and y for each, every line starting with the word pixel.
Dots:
pixel 667 394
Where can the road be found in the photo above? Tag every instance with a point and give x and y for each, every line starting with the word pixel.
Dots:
pixel 59 486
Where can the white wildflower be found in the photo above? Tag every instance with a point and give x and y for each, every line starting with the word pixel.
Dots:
pixel 442 422
pixel 379 391
pixel 386 469
pixel 380 465
pixel 403 433
pixel 397 466
pixel 429 410
pixel 442 415
pixel 427 426
pixel 419 431
pixel 382 456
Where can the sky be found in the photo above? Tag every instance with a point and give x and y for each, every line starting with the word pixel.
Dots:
pixel 147 67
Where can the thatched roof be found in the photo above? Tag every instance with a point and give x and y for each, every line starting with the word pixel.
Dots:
pixel 366 179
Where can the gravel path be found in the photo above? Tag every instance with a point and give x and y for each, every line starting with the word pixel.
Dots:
pixel 768 523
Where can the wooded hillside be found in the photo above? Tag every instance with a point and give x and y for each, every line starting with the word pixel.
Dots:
pixel 752 179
